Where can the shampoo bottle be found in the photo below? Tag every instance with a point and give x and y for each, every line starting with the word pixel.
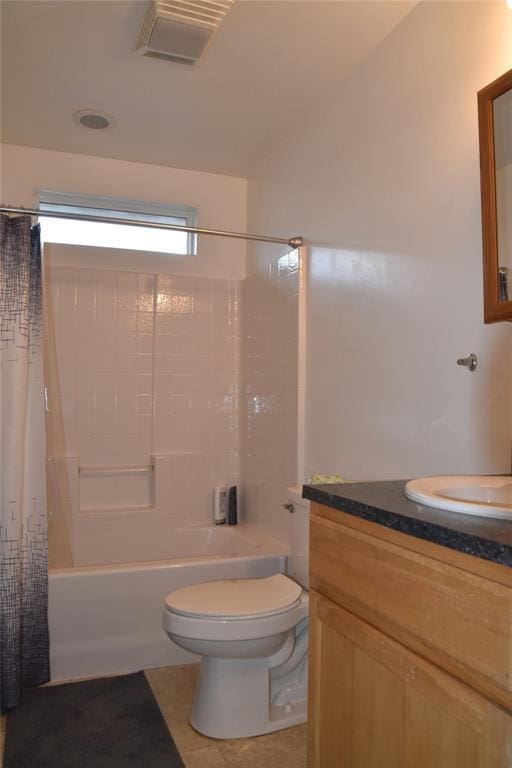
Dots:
pixel 220 504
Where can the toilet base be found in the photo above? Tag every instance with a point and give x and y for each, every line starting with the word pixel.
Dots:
pixel 232 700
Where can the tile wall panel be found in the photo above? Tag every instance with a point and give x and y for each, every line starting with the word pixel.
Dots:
pixel 270 305
pixel 197 365
pixel 148 365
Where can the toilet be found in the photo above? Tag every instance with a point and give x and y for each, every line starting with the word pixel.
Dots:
pixel 252 635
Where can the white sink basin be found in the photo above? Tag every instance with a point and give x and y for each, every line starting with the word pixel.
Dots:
pixel 489 496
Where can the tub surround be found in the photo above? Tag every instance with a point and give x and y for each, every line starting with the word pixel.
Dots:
pixel 384 503
pixel 143 383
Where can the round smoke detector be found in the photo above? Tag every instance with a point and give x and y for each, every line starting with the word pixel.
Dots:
pixel 93 119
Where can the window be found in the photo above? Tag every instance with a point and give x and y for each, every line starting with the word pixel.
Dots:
pixel 105 235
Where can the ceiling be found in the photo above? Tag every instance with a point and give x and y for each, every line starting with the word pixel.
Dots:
pixel 272 61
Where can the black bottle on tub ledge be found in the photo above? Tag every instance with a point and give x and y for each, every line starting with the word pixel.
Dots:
pixel 232 506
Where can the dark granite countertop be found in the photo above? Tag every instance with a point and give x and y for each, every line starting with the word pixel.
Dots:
pixel 384 503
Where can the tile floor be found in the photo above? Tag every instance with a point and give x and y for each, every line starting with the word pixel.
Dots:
pixel 173 688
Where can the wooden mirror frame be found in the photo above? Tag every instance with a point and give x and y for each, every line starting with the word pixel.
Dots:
pixel 494 310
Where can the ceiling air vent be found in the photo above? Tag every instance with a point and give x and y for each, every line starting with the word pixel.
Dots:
pixel 181 30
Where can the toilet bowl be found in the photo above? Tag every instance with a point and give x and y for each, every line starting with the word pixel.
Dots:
pixel 252 635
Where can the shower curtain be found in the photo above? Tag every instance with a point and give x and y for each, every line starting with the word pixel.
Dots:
pixel 24 646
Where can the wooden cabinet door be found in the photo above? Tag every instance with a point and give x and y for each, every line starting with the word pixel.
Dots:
pixel 375 704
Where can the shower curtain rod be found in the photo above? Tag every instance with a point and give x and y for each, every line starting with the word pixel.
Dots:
pixel 293 242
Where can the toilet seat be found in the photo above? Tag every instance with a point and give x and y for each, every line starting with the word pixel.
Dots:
pixel 220 627
pixel 236 599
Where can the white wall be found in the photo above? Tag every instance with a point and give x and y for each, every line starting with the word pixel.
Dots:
pixel 220 200
pixel 383 180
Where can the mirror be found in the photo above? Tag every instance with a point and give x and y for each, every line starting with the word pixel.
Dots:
pixel 495 126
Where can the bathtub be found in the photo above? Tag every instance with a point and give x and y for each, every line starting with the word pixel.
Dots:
pixel 106 619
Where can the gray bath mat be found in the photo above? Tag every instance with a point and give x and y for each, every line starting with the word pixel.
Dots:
pixel 114 722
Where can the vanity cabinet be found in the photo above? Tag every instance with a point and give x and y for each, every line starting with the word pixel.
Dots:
pixel 411 651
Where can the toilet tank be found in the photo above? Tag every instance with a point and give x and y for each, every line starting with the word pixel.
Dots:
pixel 298 558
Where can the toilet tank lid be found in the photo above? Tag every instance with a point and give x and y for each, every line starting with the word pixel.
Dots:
pixel 235 598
